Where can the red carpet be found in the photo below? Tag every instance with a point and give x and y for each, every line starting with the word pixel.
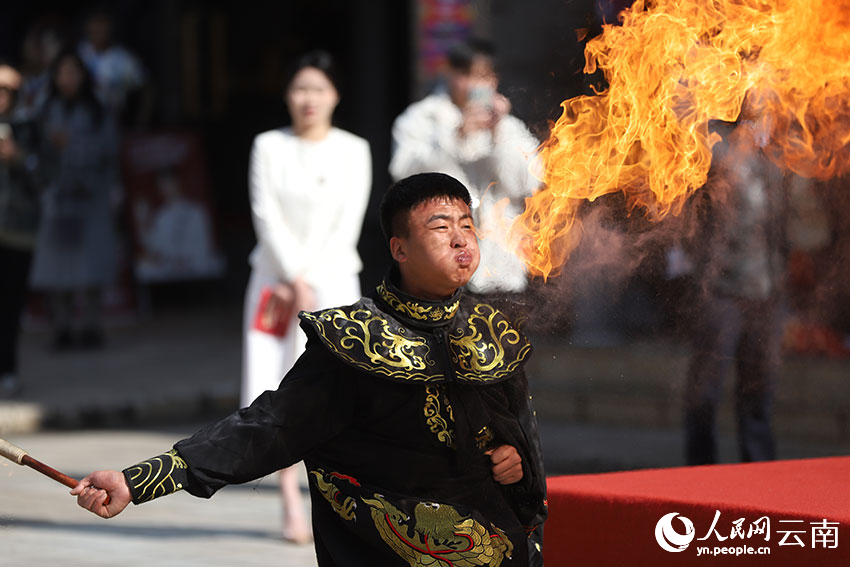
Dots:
pixel 610 519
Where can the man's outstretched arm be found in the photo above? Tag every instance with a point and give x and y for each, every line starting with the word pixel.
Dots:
pixel 278 429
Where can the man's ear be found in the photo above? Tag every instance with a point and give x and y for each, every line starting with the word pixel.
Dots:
pixel 397 249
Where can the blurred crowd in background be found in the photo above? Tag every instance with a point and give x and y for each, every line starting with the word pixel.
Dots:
pixel 125 132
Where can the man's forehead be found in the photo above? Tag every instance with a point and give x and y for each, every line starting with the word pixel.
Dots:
pixel 444 202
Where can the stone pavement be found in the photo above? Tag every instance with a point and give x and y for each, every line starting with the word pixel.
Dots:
pixel 157 380
pixel 41 524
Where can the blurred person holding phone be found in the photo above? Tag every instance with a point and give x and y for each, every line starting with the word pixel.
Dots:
pixel 309 187
pixel 469 133
pixel 19 212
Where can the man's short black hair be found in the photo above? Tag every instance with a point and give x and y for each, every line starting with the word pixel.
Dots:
pixel 460 56
pixel 405 194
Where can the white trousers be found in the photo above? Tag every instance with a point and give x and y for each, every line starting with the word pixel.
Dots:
pixel 267 358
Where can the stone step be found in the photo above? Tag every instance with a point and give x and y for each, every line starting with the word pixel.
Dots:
pixel 641 384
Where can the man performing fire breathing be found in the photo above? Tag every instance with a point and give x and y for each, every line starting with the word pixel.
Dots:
pixel 469 133
pixel 410 409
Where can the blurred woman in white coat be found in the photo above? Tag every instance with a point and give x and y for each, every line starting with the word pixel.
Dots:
pixel 309 187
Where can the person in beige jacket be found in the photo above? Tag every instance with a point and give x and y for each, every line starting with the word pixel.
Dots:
pixel 469 133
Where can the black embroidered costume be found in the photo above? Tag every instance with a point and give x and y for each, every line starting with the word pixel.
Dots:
pixel 392 408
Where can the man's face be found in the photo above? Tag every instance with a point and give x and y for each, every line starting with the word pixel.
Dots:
pixel 440 252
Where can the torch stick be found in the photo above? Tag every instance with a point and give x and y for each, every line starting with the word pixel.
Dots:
pixel 18 455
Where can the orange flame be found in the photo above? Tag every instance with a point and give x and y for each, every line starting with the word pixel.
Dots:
pixel 671 67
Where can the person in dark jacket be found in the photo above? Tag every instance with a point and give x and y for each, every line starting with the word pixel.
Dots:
pixel 741 258
pixel 410 409
pixel 19 217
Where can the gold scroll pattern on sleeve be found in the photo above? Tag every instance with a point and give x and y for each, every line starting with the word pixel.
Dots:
pixel 154 478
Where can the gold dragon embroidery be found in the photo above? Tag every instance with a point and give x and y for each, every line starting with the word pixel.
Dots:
pixel 478 350
pixel 390 352
pixel 325 485
pixel 483 349
pixel 438 536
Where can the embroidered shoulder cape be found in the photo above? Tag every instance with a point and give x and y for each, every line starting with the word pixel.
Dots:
pixel 394 408
pixel 406 339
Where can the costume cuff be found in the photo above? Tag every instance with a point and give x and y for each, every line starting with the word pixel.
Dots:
pixel 156 477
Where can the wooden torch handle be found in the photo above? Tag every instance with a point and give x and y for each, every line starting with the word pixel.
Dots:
pixel 18 455
pixel 49 471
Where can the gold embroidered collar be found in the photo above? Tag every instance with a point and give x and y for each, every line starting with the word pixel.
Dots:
pixel 418 310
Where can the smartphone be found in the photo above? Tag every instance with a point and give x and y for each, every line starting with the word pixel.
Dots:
pixel 5 130
pixel 482 95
